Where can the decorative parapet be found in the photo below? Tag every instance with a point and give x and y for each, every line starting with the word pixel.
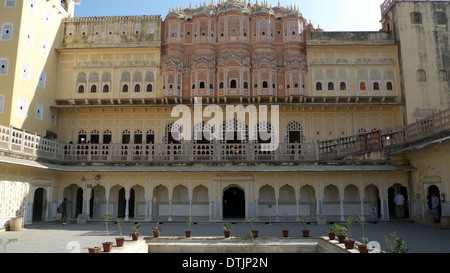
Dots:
pixel 387 4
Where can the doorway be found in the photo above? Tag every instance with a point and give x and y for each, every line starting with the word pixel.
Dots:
pixel 233 203
pixel 79 202
pixel 433 189
pixel 38 205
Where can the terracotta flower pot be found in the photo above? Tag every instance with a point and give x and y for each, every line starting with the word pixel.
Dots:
pixel 285 233
pixel 107 247
pixel 134 236
pixel 341 238
pixel 349 244
pixel 95 249
pixel 305 233
pixel 156 233
pixel 331 235
pixel 255 233
pixel 227 233
pixel 188 233
pixel 363 249
pixel 120 241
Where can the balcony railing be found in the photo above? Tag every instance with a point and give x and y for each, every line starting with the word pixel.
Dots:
pixel 32 145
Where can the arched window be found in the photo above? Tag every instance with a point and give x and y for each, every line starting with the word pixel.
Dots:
pixel 221 85
pixel 330 86
pixel 319 86
pixel 193 86
pixel 389 86
pixel 137 88
pixel 106 88
pixel 246 85
pixel 343 86
pixel 125 88
pixel 362 86
pixel 149 88
pixel 94 89
pixel 421 75
pixel 80 89
pixel 295 85
pixel 376 86
pixel 233 84
pixel 202 85
pixel 265 85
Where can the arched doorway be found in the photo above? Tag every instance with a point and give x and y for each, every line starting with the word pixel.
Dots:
pixel 38 205
pixel 392 191
pixel 233 203
pixel 121 203
pixel 79 202
pixel 433 189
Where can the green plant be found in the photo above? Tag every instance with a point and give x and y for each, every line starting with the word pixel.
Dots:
pixel 10 241
pixel 364 241
pixel 106 217
pixel 340 230
pixel 285 217
pixel 189 222
pixel 395 244
pixel 253 221
pixel 157 227
pixel 226 226
pixel 121 228
pixel 135 229
pixel 348 224
pixel 361 220
pixel 332 229
pixel 304 218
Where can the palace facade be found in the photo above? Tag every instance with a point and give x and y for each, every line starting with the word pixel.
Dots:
pixel 86 113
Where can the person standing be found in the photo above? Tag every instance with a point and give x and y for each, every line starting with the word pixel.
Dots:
pixel 435 202
pixel 399 201
pixel 64 212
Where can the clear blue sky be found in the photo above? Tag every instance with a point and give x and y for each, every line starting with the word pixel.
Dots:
pixel 331 15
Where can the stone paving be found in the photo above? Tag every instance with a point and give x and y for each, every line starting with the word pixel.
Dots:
pixel 74 238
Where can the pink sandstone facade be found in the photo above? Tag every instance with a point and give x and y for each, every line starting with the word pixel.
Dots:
pixel 234 50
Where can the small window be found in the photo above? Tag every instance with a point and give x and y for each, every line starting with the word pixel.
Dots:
pixel 245 85
pixel 193 86
pixel 440 18
pixel 233 84
pixel 362 86
pixel 125 88
pixel 389 86
pixel 265 85
pixel 295 85
pixel 221 85
pixel 94 89
pixel 318 86
pixel 81 89
pixel 4 66
pixel 202 85
pixel 421 75
pixel 416 18
pixel 7 30
pixel 137 88
pixel 330 86
pixel 343 86
pixel 376 86
pixel 106 88
pixel 442 75
pixel 42 79
pixel 149 88
pixel 211 86
pixel 10 3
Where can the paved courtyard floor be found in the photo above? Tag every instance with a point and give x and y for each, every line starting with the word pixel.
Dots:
pixel 73 238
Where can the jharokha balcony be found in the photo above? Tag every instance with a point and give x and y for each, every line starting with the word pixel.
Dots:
pixel 15 142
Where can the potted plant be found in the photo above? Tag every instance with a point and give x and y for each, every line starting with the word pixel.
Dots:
pixel 331 233
pixel 285 231
pixel 156 230
pixel 120 240
pixel 189 222
pixel 95 249
pixel 362 247
pixel 340 232
pixel 305 231
pixel 349 242
pixel 254 230
pixel 135 232
pixel 226 230
pixel 107 246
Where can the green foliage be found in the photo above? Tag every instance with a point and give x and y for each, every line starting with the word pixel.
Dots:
pixel 106 217
pixel 226 226
pixel 121 229
pixel 135 229
pixel 395 244
pixel 189 221
pixel 304 218
pixel 10 241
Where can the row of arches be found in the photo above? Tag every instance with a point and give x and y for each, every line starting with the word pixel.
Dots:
pixel 165 203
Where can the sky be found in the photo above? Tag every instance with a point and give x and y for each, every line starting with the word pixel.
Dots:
pixel 331 15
